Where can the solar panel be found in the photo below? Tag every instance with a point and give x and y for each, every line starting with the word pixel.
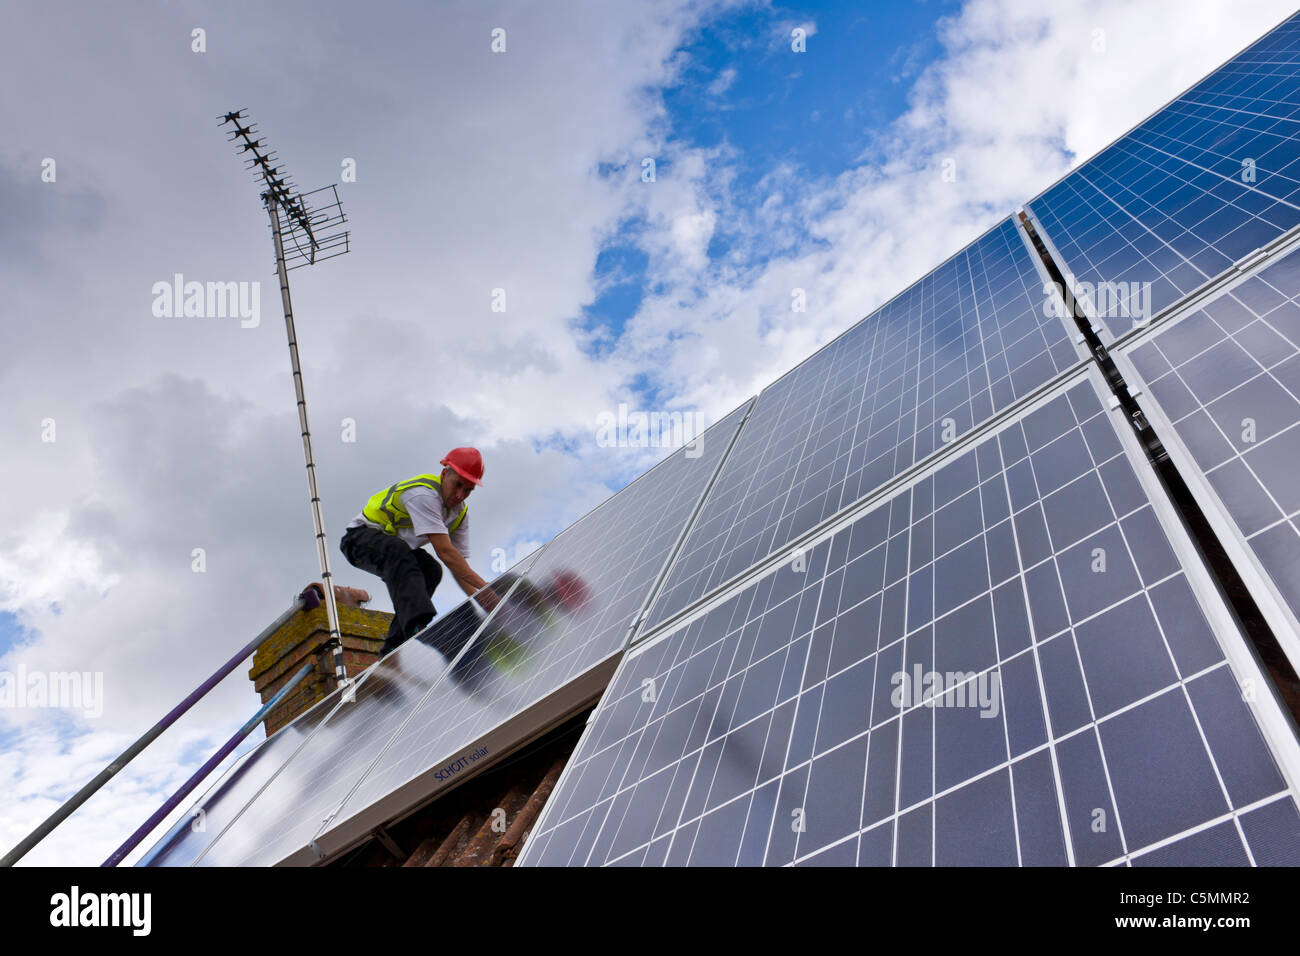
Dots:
pixel 1071 692
pixel 1205 181
pixel 1223 392
pixel 961 344
pixel 458 701
pixel 214 811
pixel 305 765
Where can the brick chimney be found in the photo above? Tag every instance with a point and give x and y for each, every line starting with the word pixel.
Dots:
pixel 305 637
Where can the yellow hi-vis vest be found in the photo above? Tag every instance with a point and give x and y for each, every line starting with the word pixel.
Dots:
pixel 385 507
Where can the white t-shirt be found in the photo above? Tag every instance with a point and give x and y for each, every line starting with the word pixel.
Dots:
pixel 428 516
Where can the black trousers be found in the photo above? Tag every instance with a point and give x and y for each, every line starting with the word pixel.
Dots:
pixel 411 575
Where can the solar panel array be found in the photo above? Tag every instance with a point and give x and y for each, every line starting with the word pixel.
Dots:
pixel 1087 713
pixel 1226 379
pixel 1036 567
pixel 956 347
pixel 567 608
pixel 1207 180
pixel 770 729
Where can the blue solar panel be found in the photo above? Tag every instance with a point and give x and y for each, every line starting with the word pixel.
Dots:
pixel 946 354
pixel 572 608
pixel 1081 709
pixel 1207 180
pixel 1224 384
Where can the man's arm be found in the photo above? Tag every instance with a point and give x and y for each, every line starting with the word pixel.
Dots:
pixel 455 562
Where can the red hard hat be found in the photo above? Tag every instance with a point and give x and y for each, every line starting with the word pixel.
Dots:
pixel 466 462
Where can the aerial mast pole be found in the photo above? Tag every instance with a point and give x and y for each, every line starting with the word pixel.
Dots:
pixel 312 226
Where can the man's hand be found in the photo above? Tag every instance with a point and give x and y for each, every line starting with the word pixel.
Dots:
pixel 488 599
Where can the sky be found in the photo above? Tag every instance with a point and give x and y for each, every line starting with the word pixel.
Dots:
pixel 153 505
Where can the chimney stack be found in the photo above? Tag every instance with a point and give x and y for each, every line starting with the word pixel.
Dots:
pixel 306 636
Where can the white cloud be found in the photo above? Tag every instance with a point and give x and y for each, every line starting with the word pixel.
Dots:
pixel 691 233
pixel 43 562
pixel 723 81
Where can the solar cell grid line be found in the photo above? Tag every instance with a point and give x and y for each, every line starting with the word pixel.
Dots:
pixel 290 805
pixel 541 659
pixel 1221 383
pixel 233 790
pixel 955 348
pixel 1194 188
pixel 1043 579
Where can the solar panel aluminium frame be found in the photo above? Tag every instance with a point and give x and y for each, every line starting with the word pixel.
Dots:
pixel 1063 311
pixel 1275 609
pixel 338 836
pixel 1279 733
pixel 1072 334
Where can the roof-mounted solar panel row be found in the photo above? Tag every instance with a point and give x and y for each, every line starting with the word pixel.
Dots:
pixel 974 669
pixel 1092 697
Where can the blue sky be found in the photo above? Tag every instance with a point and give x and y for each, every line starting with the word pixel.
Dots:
pixel 817 112
pixel 11 631
pixel 742 89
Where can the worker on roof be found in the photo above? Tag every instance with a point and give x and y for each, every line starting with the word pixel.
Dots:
pixel 387 538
